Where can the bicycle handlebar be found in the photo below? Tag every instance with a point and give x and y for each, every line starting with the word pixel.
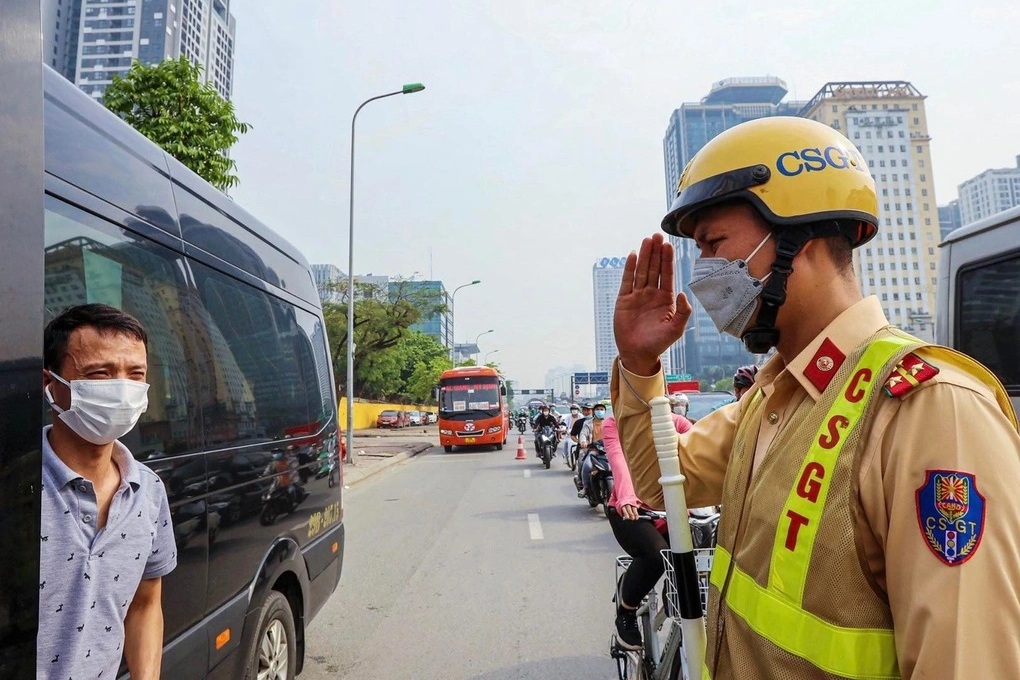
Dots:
pixel 645 513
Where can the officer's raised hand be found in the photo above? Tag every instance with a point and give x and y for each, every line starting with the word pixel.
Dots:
pixel 648 318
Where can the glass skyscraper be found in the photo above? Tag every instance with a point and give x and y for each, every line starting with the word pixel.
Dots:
pixel 91 41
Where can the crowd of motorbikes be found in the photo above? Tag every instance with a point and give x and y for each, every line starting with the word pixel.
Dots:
pixel 549 439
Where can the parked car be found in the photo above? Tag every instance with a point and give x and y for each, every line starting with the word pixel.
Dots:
pixel 416 418
pixel 389 419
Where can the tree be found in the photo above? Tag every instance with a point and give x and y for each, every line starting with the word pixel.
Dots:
pixel 382 320
pixel 169 104
pixel 422 359
pixel 420 387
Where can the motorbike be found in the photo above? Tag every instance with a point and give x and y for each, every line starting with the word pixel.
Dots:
pixel 547 442
pixel 280 500
pixel 522 423
pixel 601 477
pixel 327 467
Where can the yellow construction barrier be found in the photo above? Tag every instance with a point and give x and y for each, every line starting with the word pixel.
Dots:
pixel 366 412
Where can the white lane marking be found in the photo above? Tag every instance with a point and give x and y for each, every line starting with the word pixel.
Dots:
pixel 535 526
pixel 527 473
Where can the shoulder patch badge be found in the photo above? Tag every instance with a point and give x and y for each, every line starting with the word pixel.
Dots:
pixel 908 374
pixel 951 515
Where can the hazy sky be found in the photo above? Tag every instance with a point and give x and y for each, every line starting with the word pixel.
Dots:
pixel 536 148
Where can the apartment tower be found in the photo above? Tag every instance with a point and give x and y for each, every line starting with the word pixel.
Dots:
pixel 886 121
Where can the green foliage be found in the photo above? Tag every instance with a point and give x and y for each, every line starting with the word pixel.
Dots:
pixel 169 104
pixel 387 351
pixel 423 360
pixel 724 385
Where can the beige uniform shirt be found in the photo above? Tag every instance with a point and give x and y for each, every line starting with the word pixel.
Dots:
pixel 960 621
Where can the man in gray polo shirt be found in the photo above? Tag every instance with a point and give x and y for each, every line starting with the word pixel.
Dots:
pixel 107 539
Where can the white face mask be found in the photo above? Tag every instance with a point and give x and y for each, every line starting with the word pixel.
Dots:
pixel 727 291
pixel 102 410
pixel 680 410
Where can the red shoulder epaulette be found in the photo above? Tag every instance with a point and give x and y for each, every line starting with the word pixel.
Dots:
pixel 908 374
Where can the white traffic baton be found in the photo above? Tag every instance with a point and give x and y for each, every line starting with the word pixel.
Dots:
pixel 681 544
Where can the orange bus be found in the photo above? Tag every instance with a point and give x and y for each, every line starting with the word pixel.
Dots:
pixel 472 408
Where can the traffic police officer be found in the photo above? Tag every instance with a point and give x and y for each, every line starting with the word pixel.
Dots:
pixel 871 520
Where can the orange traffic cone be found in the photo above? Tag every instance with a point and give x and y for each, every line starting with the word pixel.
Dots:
pixel 520 449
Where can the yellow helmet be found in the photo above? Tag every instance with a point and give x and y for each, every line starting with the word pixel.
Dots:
pixel 792 170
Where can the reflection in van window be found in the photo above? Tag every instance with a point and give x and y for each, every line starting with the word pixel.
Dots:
pixel 989 317
pixel 266 380
pixel 91 260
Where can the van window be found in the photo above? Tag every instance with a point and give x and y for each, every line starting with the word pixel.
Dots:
pixel 989 317
pixel 91 260
pixel 270 369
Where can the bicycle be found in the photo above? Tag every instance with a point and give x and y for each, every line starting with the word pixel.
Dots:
pixel 683 652
pixel 661 657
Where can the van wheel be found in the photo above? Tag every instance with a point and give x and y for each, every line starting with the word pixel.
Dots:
pixel 499 447
pixel 273 652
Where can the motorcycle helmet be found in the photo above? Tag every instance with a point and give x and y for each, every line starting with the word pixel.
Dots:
pixel 744 377
pixel 679 400
pixel 794 171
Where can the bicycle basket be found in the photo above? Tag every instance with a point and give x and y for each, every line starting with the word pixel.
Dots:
pixel 703 564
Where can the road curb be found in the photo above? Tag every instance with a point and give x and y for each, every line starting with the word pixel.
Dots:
pixel 359 473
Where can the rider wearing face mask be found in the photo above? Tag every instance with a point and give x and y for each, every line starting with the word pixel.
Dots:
pixel 568 423
pixel 98 501
pixel 679 404
pixel 857 473
pixel 591 432
pixel 543 419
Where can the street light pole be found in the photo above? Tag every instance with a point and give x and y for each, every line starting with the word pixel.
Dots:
pixel 478 336
pixel 410 88
pixel 486 359
pixel 453 315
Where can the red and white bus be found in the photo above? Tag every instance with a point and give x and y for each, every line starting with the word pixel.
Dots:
pixel 472 408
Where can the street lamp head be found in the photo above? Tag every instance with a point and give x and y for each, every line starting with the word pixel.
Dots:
pixel 474 282
pixel 411 88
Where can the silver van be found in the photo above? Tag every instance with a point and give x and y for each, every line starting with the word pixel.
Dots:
pixel 979 295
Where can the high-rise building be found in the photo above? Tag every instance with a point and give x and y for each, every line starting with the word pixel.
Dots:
pixel 886 121
pixel 949 218
pixel 606 275
pixel 703 351
pixel 438 325
pixel 327 279
pixel 91 41
pixel 990 192
pixel 375 286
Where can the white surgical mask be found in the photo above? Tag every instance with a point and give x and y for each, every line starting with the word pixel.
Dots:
pixel 102 410
pixel 680 410
pixel 727 291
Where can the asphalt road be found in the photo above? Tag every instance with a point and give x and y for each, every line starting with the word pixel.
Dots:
pixel 465 566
